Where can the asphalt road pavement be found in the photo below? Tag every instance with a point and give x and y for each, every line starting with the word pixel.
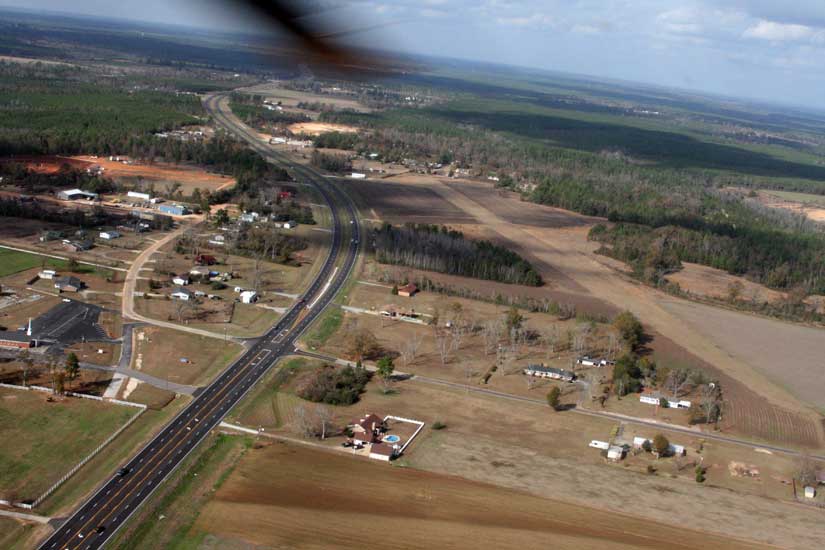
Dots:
pixel 97 519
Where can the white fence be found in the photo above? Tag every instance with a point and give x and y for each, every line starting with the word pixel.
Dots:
pixel 411 421
pixel 88 457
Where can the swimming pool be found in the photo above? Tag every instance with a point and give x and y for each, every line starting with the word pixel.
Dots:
pixel 392 439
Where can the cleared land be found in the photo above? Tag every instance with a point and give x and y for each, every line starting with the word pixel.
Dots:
pixel 160 174
pixel 39 429
pixel 280 495
pixel 811 206
pixel 556 242
pixel 317 128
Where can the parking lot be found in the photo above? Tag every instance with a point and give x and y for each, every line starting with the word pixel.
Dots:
pixel 69 322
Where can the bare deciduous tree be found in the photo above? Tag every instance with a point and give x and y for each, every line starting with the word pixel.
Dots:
pixel 491 332
pixel 410 348
pixel 710 401
pixel 443 345
pixel 325 418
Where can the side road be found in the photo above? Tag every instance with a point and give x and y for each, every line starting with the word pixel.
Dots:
pixel 128 298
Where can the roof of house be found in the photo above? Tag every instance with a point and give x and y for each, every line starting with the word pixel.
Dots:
pixel 14 336
pixel 554 370
pixel 68 280
pixel 408 288
pixel 181 290
pixel 382 449
pixel 368 421
pixel 364 436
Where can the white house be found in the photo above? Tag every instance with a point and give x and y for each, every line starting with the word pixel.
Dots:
pixel 615 452
pixel 138 195
pixel 549 372
pixel 277 140
pixel 182 294
pixel 47 274
pixel 656 399
pixel 249 217
pixel 596 444
pixel 109 235
pixel 218 240
pixel 358 175
pixel 182 280
pixel 810 492
pixel 249 296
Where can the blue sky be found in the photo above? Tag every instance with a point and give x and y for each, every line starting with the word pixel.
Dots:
pixel 766 49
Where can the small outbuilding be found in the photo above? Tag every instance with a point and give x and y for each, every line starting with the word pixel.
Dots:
pixel 182 280
pixel 810 492
pixel 109 235
pixel 408 291
pixel 249 297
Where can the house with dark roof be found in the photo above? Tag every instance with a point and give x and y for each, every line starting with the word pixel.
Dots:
pixel 15 339
pixel 68 283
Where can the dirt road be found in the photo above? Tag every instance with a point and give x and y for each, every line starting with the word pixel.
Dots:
pixel 128 298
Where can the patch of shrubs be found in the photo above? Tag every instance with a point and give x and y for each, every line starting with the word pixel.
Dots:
pixel 335 386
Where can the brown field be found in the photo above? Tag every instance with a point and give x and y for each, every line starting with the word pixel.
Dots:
pixel 291 98
pixel 399 203
pixel 189 177
pixel 556 242
pixel 317 128
pixel 281 494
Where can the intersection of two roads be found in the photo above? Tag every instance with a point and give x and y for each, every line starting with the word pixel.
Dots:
pixel 99 517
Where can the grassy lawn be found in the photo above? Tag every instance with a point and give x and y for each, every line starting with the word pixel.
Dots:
pixel 13 261
pixel 49 438
pixel 325 327
pixel 181 499
pixel 267 404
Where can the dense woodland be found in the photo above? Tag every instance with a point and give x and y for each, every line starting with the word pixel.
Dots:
pixel 440 249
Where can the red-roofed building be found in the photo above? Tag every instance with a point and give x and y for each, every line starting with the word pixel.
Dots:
pixel 408 291
pixel 205 259
pixel 382 451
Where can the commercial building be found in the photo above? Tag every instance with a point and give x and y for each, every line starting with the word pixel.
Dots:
pixel 74 194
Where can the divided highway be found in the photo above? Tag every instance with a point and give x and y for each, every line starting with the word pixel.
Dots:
pixel 112 505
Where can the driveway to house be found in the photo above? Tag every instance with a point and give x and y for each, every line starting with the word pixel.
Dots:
pixel 128 298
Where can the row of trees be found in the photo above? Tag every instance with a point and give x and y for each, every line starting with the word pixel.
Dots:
pixel 440 249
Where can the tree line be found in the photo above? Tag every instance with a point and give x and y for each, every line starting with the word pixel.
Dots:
pixel 443 250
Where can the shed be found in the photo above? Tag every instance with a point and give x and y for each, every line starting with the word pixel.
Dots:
pixel 408 290
pixel 615 452
pixel 109 235
pixel 810 492
pixel 249 296
pixel 74 194
pixel 47 274
pixel 596 444
pixel 182 280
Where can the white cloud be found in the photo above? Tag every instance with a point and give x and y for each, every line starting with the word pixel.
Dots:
pixel 779 32
pixel 535 20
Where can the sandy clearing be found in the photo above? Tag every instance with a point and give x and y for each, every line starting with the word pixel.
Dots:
pixel 568 251
pixel 189 177
pixel 316 128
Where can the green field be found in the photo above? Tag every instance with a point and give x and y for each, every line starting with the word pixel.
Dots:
pixel 49 438
pixel 13 261
pixel 325 327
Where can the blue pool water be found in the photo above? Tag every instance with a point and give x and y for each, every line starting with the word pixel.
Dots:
pixel 392 439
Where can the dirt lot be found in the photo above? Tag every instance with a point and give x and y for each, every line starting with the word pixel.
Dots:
pixel 161 174
pixel 159 352
pixel 279 494
pixel 316 128
pixel 707 281
pixel 810 206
